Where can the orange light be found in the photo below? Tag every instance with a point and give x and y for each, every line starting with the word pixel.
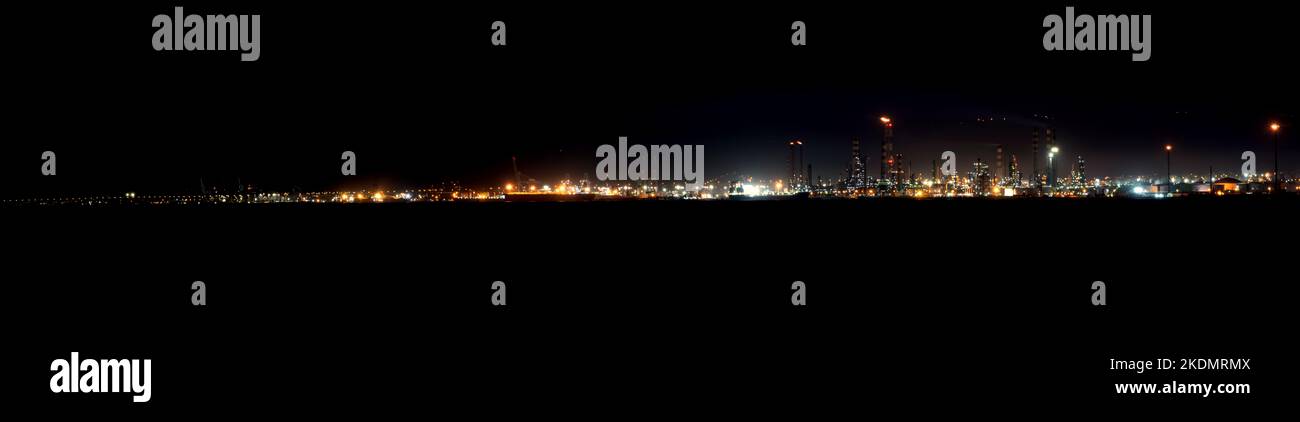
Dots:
pixel 1169 147
pixel 1274 126
pixel 884 119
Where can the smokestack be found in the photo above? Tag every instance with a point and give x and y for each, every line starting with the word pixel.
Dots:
pixel 1036 178
pixel 997 171
pixel 804 181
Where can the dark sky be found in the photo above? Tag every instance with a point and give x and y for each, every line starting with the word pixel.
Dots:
pixel 421 95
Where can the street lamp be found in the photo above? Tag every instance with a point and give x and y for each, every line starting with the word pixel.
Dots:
pixel 1277 184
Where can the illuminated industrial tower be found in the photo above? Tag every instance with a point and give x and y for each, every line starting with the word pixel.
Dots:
pixel 1081 175
pixel 797 182
pixel 889 164
pixel 981 180
pixel 1013 172
pixel 857 169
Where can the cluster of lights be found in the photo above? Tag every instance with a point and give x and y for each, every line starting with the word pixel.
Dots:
pixel 954 186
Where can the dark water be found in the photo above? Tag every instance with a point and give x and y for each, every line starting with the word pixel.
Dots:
pixel 655 308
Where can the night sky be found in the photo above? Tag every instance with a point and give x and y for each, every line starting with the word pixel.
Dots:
pixel 421 96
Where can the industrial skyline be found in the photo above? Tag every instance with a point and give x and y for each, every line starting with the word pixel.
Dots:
pixel 897 177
